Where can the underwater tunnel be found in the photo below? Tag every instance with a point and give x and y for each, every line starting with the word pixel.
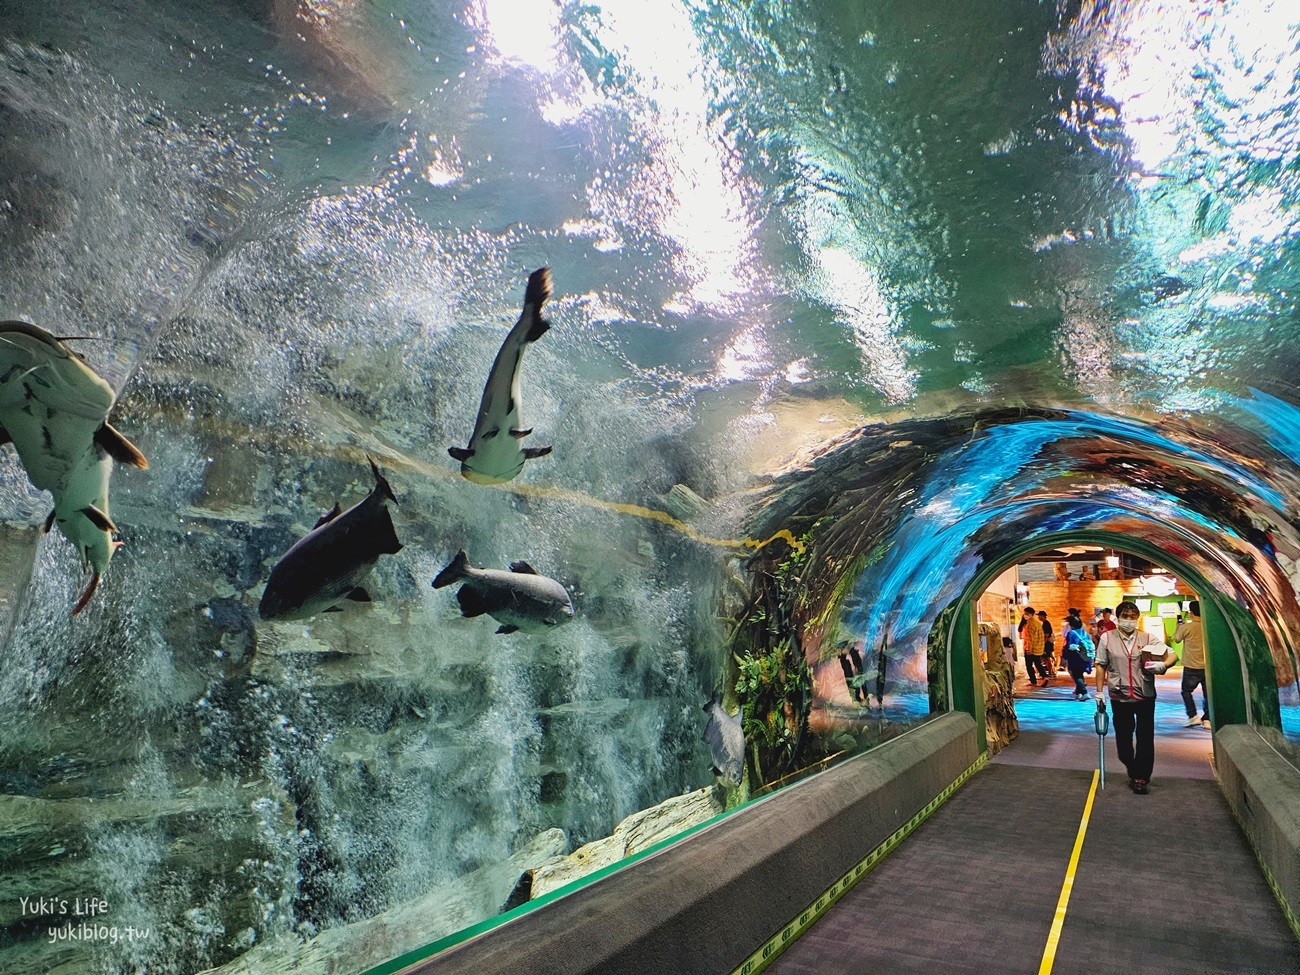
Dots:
pixel 509 487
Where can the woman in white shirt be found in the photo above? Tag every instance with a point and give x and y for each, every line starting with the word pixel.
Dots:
pixel 1128 660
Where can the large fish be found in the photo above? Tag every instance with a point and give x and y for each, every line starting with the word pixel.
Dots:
pixel 494 454
pixel 54 409
pixel 331 561
pixel 519 599
pixel 726 742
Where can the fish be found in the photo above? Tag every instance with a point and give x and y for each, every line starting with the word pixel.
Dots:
pixel 331 561
pixel 494 454
pixel 726 742
pixel 520 599
pixel 54 410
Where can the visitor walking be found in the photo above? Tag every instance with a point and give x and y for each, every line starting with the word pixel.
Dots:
pixel 1191 635
pixel 1073 655
pixel 1128 660
pixel 1031 634
pixel 1049 643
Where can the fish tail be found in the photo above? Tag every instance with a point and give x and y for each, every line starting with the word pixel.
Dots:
pixel 386 539
pixel 381 482
pixel 539 289
pixel 84 598
pixel 453 572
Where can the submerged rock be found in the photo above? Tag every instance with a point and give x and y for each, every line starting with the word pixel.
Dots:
pixel 445 909
pixel 22 815
pixel 683 503
pixel 638 832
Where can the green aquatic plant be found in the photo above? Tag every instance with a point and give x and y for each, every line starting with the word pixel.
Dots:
pixel 792 611
pixel 774 689
pixel 773 682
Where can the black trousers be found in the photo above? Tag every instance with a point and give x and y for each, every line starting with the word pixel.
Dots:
pixel 1135 720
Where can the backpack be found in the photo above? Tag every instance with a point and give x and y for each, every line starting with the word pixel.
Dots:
pixel 1085 642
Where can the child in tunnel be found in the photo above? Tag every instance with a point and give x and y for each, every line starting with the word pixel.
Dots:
pixel 1074 656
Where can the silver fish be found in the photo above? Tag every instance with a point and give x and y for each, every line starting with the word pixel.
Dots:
pixel 331 561
pixel 54 408
pixel 726 742
pixel 494 455
pixel 519 599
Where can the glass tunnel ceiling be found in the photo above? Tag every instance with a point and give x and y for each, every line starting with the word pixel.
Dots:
pixel 1006 479
pixel 1047 253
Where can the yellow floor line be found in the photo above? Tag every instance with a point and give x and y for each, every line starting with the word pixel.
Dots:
pixel 1058 921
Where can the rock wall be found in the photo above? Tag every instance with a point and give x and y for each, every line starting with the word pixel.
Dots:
pixel 1001 726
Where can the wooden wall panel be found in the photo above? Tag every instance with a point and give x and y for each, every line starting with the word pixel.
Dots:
pixel 1057 597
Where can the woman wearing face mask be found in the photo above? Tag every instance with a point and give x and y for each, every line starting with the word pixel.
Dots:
pixel 1128 660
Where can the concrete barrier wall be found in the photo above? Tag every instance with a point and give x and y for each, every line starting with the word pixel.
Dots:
pixel 1263 790
pixel 705 904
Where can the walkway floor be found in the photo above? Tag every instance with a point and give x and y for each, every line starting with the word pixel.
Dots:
pixel 1165 882
pixel 1056 731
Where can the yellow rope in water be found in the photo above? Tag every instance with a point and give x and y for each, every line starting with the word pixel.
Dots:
pixel 650 514
pixel 398 461
pixel 392 458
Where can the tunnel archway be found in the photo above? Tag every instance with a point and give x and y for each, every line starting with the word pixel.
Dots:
pixel 1239 669
pixel 904 522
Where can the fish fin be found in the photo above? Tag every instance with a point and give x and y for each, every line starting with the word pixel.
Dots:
pixel 532 453
pixel 461 454
pixel 539 328
pixel 470 602
pixel 517 434
pixel 114 443
pixel 539 288
pixel 4 437
pixel 387 541
pixel 359 595
pixel 522 566
pixel 84 598
pixel 715 770
pixel 329 516
pixel 49 523
pixel 551 622
pixel 381 483
pixel 489 434
pixel 98 518
pixel 507 628
pixel 453 571
pixel 334 609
